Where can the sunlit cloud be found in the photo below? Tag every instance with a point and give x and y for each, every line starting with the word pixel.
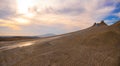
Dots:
pixel 63 15
pixel 117 14
pixel 9 24
pixel 22 21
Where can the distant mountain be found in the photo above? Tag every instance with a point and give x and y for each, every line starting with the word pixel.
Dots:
pixel 47 35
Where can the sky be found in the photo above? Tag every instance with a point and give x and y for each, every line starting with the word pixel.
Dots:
pixel 37 17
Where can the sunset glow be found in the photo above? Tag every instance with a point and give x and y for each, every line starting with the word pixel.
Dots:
pixel 55 16
pixel 22 21
pixel 24 6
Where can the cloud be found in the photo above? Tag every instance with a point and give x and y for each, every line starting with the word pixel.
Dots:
pixel 57 16
pixel 7 8
pixel 84 12
pixel 9 24
pixel 117 14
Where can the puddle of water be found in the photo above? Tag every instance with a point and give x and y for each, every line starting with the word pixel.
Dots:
pixel 26 44
pixel 15 46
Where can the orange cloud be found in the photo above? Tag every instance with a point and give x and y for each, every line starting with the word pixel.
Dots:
pixel 67 15
pixel 9 24
pixel 14 27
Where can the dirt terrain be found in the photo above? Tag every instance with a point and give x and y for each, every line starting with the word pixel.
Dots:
pixel 98 45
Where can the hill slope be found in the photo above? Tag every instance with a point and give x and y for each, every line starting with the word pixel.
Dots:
pixel 98 45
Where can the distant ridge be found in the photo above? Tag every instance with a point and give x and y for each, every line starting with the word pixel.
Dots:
pixel 117 23
pixel 47 35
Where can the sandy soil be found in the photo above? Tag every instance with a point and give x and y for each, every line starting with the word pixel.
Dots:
pixel 94 46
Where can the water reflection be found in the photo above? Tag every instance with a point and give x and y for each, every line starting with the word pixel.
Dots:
pixel 23 44
pixel 26 44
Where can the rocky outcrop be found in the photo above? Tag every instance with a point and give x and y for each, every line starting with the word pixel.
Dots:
pixel 102 23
